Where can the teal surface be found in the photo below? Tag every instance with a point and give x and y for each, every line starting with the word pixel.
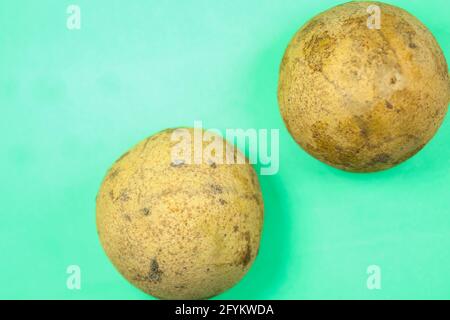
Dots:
pixel 72 101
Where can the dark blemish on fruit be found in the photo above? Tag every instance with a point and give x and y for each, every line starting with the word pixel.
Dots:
pixel 235 228
pixel 222 202
pixel 155 273
pixel 111 194
pixel 380 158
pixel 256 198
pixel 362 131
pixel 123 156
pixel 320 42
pixel 216 188
pixel 114 174
pixel 145 211
pixel 389 105
pixel 247 256
pixel 213 165
pixel 127 217
pixel 393 80
pixel 363 127
pixel 252 197
pixel 412 45
pixel 177 163
pixel 435 114
pixel 254 178
pixel 180 287
pixel 124 196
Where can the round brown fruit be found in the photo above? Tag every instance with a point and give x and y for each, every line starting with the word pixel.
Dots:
pixel 363 99
pixel 179 230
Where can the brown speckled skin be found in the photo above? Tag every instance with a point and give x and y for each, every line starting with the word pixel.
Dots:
pixel 363 100
pixel 179 231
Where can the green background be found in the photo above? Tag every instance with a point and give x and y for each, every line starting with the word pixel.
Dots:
pixel 72 102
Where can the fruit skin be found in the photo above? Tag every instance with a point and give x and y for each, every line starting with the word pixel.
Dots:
pixel 362 99
pixel 179 231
